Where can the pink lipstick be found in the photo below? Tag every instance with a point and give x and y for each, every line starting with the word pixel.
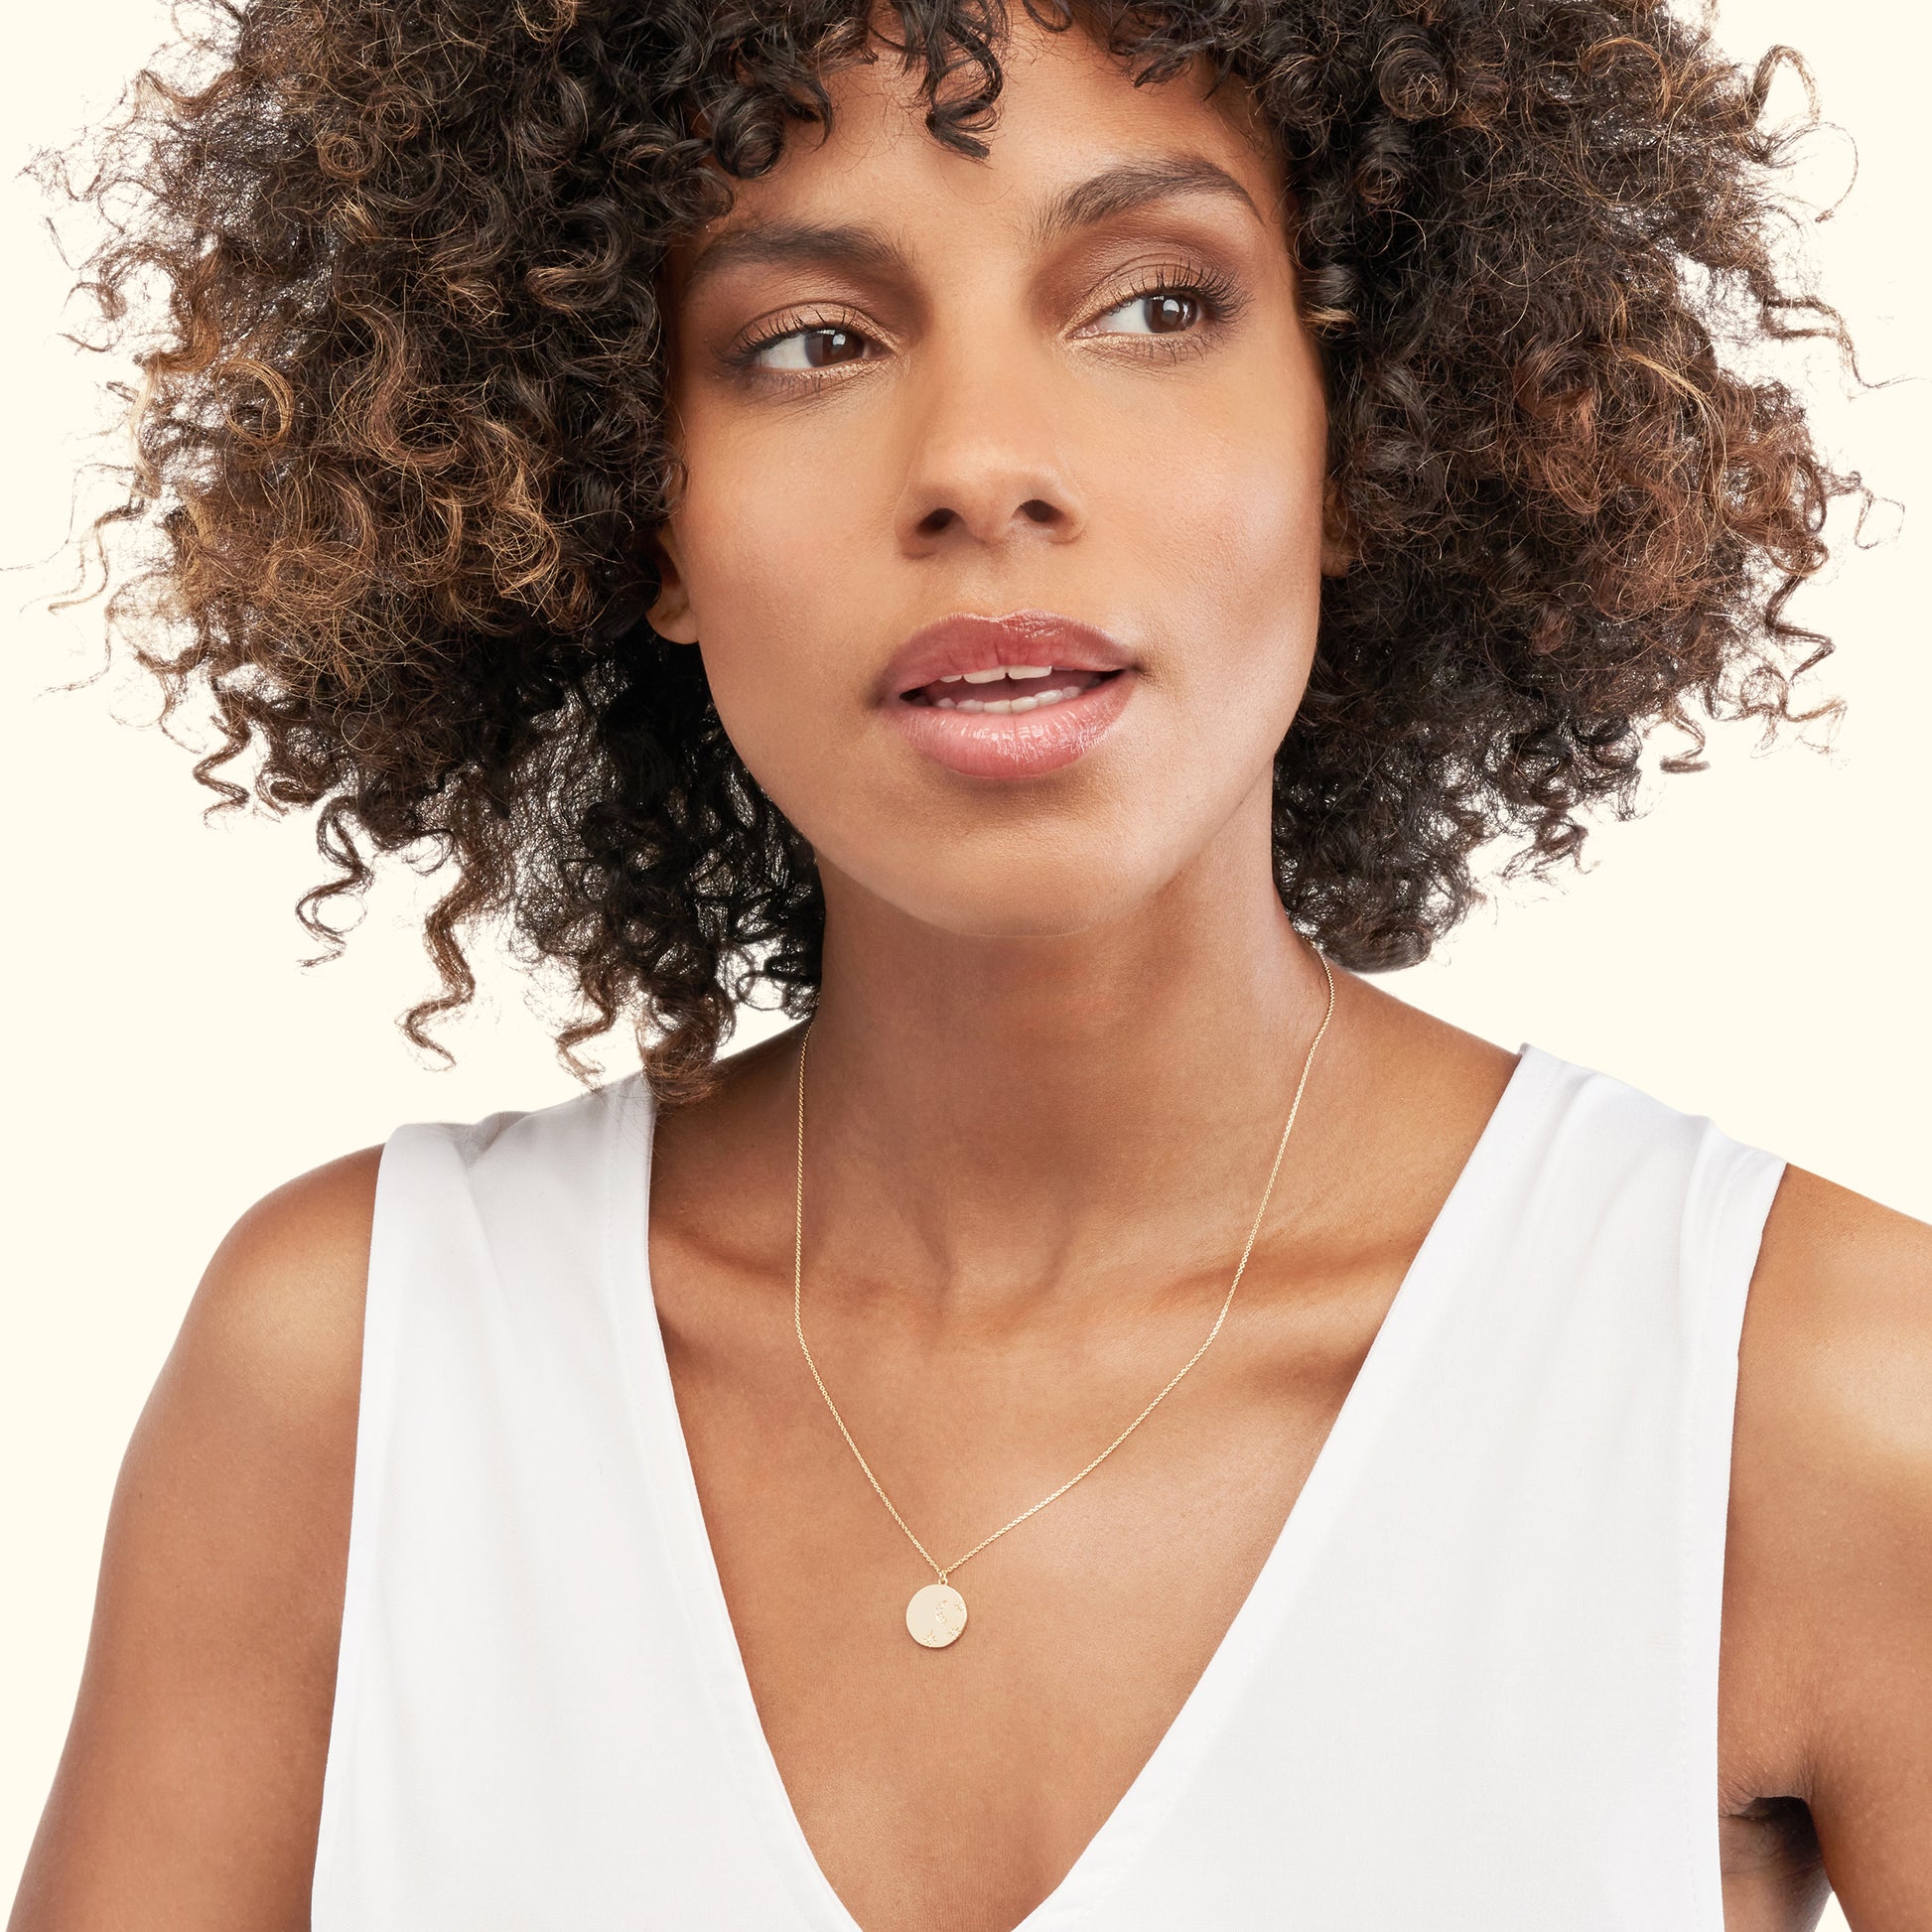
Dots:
pixel 1006 697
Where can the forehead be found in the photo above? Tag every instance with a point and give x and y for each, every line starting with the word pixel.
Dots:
pixel 1073 142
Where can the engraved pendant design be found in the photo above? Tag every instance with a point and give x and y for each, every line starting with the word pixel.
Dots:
pixel 935 1615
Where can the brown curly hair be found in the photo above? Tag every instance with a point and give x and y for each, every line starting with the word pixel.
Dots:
pixel 401 440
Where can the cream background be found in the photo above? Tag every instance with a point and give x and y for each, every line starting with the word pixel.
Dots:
pixel 1753 949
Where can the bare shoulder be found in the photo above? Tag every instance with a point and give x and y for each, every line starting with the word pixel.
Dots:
pixel 190 1789
pixel 1413 1093
pixel 1835 1386
pixel 1829 1569
pixel 286 1285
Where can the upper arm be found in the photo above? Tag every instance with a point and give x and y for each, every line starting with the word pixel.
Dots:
pixel 1833 1523
pixel 190 1789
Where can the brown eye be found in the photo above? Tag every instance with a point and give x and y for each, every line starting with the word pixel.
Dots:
pixel 1164 312
pixel 803 350
pixel 1167 313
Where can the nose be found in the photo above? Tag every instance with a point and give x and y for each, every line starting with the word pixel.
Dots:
pixel 990 446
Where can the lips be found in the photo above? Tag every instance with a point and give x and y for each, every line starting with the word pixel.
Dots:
pixel 945 691
pixel 963 642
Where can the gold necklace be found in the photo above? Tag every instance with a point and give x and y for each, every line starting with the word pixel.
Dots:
pixel 937 1613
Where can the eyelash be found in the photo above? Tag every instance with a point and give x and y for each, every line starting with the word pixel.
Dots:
pixel 1220 298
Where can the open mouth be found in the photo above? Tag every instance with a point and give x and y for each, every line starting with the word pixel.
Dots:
pixel 1005 690
pixel 1013 722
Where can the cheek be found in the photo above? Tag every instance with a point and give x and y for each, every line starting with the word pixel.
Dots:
pixel 1249 515
pixel 1230 540
pixel 763 550
pixel 754 531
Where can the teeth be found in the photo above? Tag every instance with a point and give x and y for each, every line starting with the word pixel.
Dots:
pixel 1000 671
pixel 1032 701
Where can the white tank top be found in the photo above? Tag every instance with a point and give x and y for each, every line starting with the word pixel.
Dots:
pixel 1474 1685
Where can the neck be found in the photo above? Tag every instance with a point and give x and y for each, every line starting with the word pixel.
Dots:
pixel 993 1120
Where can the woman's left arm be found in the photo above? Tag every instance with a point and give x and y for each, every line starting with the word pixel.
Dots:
pixel 1828 1621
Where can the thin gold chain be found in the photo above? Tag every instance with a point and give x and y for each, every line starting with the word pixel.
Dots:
pixel 798 1319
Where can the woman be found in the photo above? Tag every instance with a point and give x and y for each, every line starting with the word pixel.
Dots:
pixel 1053 540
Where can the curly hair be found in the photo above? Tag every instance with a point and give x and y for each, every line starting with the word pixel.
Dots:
pixel 401 440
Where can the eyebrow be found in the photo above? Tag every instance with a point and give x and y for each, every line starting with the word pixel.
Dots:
pixel 1114 192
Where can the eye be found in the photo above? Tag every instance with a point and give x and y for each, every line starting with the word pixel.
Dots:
pixel 1171 301
pixel 1169 312
pixel 802 349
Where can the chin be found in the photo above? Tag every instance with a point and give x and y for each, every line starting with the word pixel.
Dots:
pixel 1022 898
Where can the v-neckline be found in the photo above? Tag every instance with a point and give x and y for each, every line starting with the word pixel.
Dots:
pixel 1166 1772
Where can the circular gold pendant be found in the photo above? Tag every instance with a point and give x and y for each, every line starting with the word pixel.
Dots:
pixel 935 1615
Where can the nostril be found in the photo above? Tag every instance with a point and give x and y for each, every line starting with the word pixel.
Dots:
pixel 1038 512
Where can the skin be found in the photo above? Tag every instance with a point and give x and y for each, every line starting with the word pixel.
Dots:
pixel 1020 1190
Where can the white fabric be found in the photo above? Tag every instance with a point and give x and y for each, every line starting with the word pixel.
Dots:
pixel 1474 1686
